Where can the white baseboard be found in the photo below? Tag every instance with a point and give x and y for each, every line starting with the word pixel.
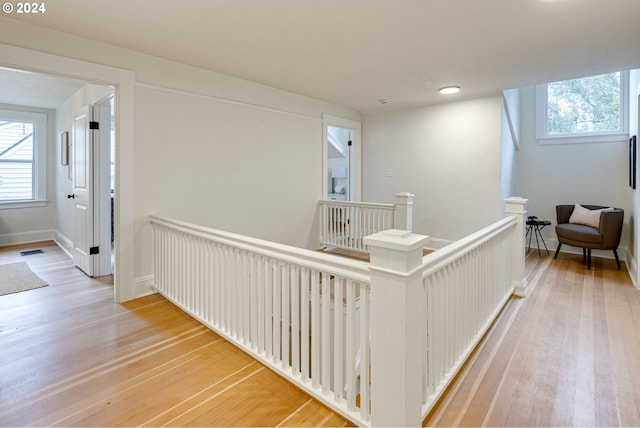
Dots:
pixel 27 237
pixel 632 267
pixel 64 243
pixel 143 286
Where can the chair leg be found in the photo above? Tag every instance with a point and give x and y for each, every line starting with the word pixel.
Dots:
pixel 588 258
pixel 558 250
pixel 615 253
pixel 584 255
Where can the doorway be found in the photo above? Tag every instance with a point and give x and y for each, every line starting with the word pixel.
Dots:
pixel 32 91
pixel 341 159
pixel 123 81
pixel 339 142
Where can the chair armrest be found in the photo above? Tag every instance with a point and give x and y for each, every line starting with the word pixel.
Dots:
pixel 611 228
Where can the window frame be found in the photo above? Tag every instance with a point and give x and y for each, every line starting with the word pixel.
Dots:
pixel 542 116
pixel 39 180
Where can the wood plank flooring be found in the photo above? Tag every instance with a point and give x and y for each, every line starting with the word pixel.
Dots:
pixel 567 355
pixel 69 356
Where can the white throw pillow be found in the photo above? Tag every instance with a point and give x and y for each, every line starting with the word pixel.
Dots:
pixel 582 215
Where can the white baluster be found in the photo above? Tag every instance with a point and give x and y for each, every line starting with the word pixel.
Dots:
pixel 365 353
pixel 296 305
pixel 315 328
pixel 338 338
pixel 325 361
pixel 305 318
pixel 261 305
pixel 286 315
pixel 268 311
pixel 351 346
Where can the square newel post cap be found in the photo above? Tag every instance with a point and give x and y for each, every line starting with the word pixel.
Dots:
pixel 405 195
pixel 515 204
pixel 395 239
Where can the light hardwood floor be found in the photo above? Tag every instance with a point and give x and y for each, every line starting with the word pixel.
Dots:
pixel 69 356
pixel 567 355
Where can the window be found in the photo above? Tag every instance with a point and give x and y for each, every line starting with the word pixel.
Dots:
pixel 22 159
pixel 590 109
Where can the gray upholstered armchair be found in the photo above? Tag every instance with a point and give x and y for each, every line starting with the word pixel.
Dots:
pixel 597 227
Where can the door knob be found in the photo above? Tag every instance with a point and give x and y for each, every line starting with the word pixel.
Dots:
pixel 71 196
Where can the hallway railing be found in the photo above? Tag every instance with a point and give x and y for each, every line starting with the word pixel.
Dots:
pixel 380 342
pixel 302 313
pixel 344 224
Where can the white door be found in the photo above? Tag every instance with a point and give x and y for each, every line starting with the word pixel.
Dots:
pixel 103 184
pixel 82 173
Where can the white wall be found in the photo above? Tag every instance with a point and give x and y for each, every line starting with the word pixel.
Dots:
pixel 634 232
pixel 232 167
pixel 21 225
pixel 88 94
pixel 248 159
pixel 510 139
pixel 449 156
pixel 548 175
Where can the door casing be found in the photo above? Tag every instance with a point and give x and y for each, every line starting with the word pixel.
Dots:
pixel 355 158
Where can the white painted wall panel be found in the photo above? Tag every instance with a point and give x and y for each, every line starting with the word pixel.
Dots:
pixel 228 166
pixel 449 156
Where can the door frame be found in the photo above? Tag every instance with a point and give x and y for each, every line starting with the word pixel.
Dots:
pixel 124 82
pixel 355 158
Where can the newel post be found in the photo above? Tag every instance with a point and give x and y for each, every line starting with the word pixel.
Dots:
pixel 403 214
pixel 397 327
pixel 517 208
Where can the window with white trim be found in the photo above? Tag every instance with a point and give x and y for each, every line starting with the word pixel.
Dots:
pixel 22 158
pixel 585 110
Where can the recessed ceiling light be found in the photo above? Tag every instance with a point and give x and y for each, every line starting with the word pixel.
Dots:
pixel 450 90
pixel 382 101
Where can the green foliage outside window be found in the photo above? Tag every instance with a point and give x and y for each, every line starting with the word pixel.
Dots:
pixel 590 104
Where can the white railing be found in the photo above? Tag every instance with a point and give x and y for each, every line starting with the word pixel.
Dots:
pixel 344 224
pixel 471 272
pixel 438 307
pixel 302 313
pixel 389 335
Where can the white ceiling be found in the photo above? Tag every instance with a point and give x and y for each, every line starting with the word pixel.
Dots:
pixel 356 52
pixel 35 90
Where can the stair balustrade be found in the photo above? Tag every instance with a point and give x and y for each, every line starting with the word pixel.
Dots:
pixel 302 313
pixel 377 342
pixel 344 224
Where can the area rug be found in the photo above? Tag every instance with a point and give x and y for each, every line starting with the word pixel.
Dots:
pixel 16 277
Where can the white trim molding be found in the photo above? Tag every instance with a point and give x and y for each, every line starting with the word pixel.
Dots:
pixel 144 286
pixel 64 243
pixel 27 237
